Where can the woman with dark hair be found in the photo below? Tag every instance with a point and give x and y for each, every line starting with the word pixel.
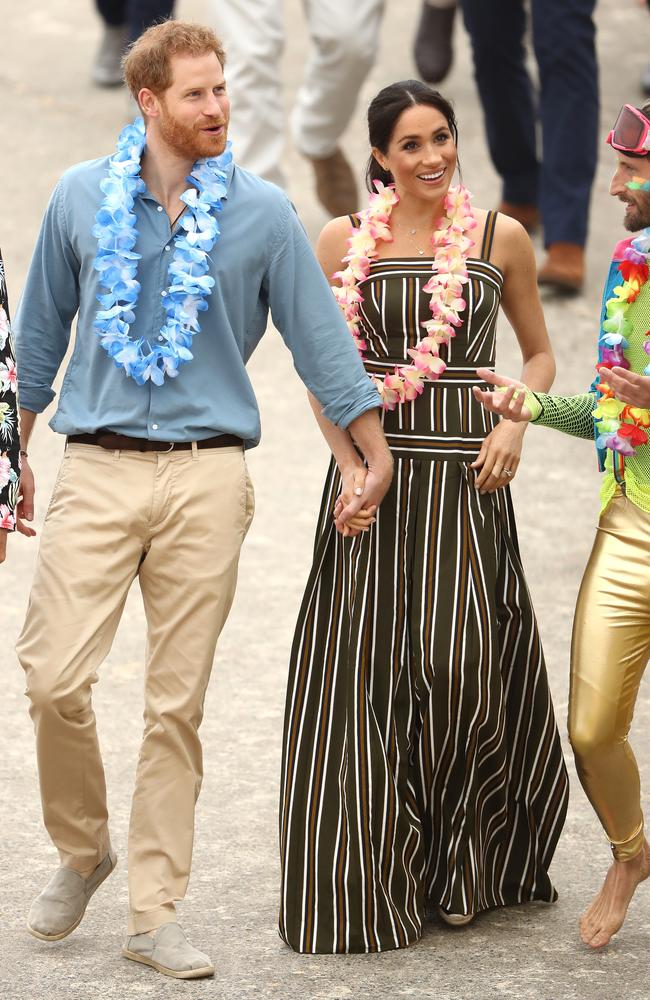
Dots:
pixel 422 766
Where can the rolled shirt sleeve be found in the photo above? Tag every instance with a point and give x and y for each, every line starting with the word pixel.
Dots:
pixel 48 305
pixel 312 326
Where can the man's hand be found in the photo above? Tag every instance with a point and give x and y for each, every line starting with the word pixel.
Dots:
pixel 379 475
pixel 629 387
pixel 3 544
pixel 25 507
pixel 508 398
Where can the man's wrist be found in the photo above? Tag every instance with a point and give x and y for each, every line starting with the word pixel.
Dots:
pixel 382 458
pixel 350 466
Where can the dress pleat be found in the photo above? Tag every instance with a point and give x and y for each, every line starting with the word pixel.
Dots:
pixel 422 765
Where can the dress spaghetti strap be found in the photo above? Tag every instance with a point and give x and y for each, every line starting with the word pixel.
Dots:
pixel 355 220
pixel 488 235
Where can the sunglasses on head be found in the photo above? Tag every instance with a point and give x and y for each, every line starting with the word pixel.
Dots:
pixel 631 132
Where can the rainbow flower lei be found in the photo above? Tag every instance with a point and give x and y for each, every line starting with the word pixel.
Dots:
pixel 620 427
pixel 451 247
pixel 116 261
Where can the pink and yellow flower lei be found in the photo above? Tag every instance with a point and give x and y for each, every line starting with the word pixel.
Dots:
pixel 451 246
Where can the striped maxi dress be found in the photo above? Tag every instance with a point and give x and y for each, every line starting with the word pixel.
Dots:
pixel 422 764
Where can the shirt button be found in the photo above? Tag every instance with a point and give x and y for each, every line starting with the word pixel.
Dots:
pixel 154 427
pixel 161 337
pixel 168 248
pixel 160 208
pixel 163 293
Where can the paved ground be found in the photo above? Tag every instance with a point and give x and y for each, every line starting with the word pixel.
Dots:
pixel 52 117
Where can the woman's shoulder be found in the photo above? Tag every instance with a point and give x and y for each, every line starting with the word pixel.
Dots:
pixel 509 238
pixel 335 233
pixel 333 243
pixel 339 227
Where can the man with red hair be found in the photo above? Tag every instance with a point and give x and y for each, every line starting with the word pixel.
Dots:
pixel 186 254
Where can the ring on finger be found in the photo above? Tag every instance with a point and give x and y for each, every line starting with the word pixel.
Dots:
pixel 507 472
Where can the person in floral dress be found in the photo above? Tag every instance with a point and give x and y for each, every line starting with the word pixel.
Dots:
pixel 9 439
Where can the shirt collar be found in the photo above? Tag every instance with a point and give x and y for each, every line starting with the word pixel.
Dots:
pixel 147 195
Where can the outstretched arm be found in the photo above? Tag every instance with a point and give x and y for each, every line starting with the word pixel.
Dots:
pixel 514 401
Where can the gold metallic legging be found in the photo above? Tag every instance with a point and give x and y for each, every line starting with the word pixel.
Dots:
pixel 611 646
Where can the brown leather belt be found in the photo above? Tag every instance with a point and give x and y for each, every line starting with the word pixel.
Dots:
pixel 122 442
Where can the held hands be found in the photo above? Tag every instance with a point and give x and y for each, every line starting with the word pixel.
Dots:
pixel 507 399
pixel 352 491
pixel 364 489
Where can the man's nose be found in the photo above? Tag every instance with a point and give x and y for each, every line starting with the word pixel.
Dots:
pixel 212 107
pixel 617 184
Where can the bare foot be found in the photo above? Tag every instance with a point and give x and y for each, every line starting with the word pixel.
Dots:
pixel 605 916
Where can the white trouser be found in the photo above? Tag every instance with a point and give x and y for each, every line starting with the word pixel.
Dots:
pixel 344 37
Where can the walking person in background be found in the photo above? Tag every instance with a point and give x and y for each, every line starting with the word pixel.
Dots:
pixel 344 42
pixel 645 78
pixel 10 518
pixel 432 46
pixel 185 254
pixel 611 629
pixel 124 21
pixel 553 188
pixel 422 766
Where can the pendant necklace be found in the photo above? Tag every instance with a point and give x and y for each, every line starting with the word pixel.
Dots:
pixel 410 233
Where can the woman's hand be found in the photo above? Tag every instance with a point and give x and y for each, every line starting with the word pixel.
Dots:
pixel 352 484
pixel 507 399
pixel 499 457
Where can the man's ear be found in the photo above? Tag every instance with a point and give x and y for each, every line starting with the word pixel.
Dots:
pixel 148 103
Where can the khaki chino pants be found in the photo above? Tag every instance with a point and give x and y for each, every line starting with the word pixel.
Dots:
pixel 177 521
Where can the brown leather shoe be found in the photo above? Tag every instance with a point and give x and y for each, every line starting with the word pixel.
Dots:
pixel 527 215
pixel 336 188
pixel 432 48
pixel 564 268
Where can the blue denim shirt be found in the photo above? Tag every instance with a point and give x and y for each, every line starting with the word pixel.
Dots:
pixel 262 262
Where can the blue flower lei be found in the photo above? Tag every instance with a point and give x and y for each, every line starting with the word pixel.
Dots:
pixel 116 261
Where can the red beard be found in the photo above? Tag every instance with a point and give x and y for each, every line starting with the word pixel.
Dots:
pixel 191 141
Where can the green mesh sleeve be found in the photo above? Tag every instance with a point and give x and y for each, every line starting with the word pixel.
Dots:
pixel 569 414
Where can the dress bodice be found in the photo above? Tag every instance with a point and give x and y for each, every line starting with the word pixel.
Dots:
pixel 395 306
pixel 445 423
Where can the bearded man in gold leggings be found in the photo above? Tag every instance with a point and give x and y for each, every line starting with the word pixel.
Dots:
pixel 611 632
